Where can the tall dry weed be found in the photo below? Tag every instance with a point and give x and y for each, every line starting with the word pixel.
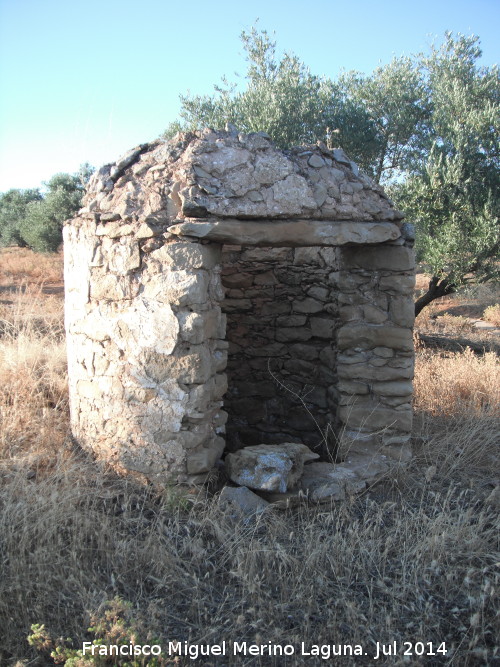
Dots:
pixel 457 416
pixel 22 265
pixel 457 383
pixel 414 560
pixel 33 380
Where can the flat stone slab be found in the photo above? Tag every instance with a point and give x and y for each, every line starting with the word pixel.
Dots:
pixel 293 233
pixel 269 467
pixel 368 467
pixel 242 501
pixel 326 481
pixel 323 482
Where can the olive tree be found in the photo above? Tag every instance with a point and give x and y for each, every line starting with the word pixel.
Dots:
pixel 425 126
pixel 13 207
pixel 281 98
pixel 452 193
pixel 396 101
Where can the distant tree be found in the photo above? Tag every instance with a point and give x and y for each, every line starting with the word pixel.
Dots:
pixel 283 99
pixel 13 208
pixel 396 101
pixel 453 192
pixel 28 218
pixel 41 228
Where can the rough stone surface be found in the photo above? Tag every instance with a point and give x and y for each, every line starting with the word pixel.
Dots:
pixel 242 502
pixel 299 328
pixel 204 459
pixel 269 467
pixel 243 176
pixel 294 233
pixel 368 337
pixel 327 481
pixel 369 467
pixel 395 258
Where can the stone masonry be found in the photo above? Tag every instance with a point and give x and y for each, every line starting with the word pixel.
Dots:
pixel 222 293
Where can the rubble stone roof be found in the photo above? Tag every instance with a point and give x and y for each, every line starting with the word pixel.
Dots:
pixel 224 174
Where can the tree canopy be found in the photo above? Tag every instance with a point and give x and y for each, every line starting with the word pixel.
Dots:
pixel 425 126
pixel 283 99
pixel 452 192
pixel 29 218
pixel 13 208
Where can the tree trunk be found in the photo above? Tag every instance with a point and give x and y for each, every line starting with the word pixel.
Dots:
pixel 437 288
pixel 380 166
pixel 458 344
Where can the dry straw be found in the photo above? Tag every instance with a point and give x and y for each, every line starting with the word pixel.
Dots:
pixel 413 560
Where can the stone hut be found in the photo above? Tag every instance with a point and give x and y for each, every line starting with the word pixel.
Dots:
pixel 221 292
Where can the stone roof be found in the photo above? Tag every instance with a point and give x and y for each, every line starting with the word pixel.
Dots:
pixel 224 174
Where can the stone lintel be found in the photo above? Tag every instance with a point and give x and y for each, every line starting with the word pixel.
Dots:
pixel 292 233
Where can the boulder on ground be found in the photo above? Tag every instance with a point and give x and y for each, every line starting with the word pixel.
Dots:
pixel 323 481
pixel 269 467
pixel 243 502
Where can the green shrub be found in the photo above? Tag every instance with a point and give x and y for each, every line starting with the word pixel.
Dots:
pixel 113 625
pixel 492 314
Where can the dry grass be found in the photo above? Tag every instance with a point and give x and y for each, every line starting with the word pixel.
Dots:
pixel 412 560
pixel 419 567
pixel 455 384
pixel 455 314
pixel 492 314
pixel 33 387
pixel 21 265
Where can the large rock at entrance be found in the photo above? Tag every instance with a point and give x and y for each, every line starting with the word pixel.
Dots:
pixel 269 467
pixel 325 481
pixel 242 502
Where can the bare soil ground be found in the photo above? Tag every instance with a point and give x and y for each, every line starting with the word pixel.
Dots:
pixel 415 559
pixel 459 312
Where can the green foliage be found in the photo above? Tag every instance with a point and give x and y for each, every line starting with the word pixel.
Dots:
pixel 283 99
pixel 425 126
pixel 452 193
pixel 41 228
pixel 29 219
pixel 113 625
pixel 13 208
pixel 376 119
pixel 457 221
pixel 172 129
pixel 396 101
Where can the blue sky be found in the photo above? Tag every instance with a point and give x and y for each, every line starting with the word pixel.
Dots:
pixel 86 81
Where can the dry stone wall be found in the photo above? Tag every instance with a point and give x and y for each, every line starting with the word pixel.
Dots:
pixel 306 259
pixel 375 356
pixel 282 316
pixel 146 353
pixel 320 338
